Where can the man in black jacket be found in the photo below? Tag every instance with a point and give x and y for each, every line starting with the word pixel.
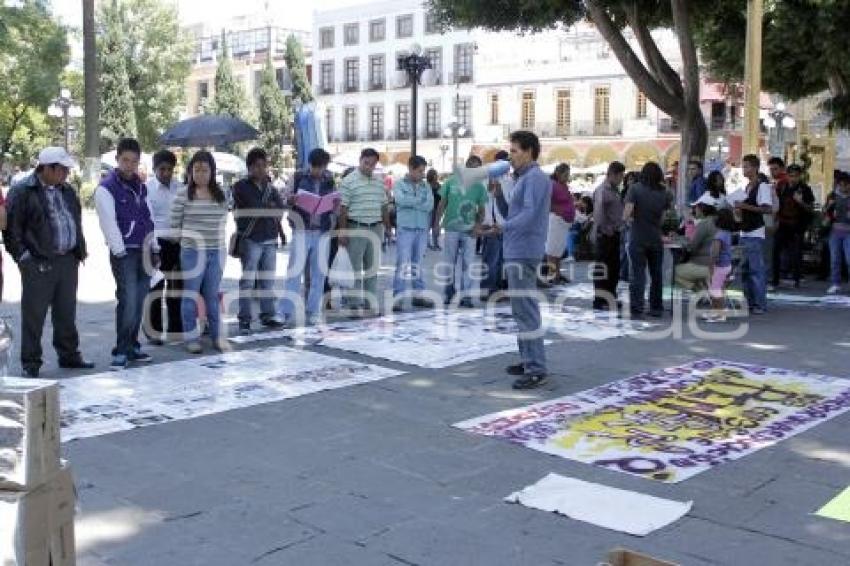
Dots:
pixel 45 238
pixel 796 206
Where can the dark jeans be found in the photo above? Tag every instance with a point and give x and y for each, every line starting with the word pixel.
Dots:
pixel 167 290
pixel 132 284
pixel 49 283
pixel 494 260
pixel 788 240
pixel 606 270
pixel 643 255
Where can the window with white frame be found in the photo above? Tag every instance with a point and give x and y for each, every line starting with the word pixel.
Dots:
pixel 404 26
pixel 378 30
pixel 351 34
pixel 326 38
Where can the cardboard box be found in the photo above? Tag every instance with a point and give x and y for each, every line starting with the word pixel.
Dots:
pixel 37 527
pixel 623 557
pixel 29 433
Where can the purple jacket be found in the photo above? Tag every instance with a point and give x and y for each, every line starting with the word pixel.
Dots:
pixel 131 208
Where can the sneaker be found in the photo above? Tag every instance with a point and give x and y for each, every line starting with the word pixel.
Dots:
pixel 398 307
pixel 139 356
pixel 273 324
pixel 530 381
pixel 31 371
pixel 119 362
pixel 194 348
pixel 516 369
pixel 244 327
pixel 833 290
pixel 423 303
pixel 466 304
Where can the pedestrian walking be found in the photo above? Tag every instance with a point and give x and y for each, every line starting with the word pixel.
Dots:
pixel 461 210
pixel 364 217
pixel 162 189
pixel 44 235
pixel 607 223
pixel 644 210
pixel 524 232
pixel 258 210
pixel 125 219
pixel 414 203
pixel 310 239
pixel 198 218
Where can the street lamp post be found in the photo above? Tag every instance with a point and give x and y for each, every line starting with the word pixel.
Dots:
pixel 63 107
pixel 780 120
pixel 719 149
pixel 413 65
pixel 444 148
pixel 455 129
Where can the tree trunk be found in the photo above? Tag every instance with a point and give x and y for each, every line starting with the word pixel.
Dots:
pixel 92 110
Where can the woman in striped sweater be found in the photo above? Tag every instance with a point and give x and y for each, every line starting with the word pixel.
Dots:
pixel 198 218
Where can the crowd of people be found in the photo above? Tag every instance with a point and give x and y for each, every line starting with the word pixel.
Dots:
pixel 168 247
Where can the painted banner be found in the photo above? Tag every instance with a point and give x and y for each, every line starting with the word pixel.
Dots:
pixel 674 423
pixel 112 401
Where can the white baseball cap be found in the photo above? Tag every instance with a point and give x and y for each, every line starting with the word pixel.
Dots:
pixel 55 156
pixel 707 200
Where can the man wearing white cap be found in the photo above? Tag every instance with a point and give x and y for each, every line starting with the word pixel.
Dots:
pixel 694 274
pixel 45 238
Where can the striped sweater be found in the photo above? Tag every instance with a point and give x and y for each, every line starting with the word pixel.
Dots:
pixel 199 224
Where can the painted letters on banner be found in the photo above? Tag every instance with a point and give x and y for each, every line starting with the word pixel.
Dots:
pixel 674 423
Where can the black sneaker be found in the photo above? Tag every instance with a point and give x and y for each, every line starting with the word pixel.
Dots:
pixel 244 327
pixel 272 323
pixel 139 356
pixel 466 304
pixel 516 369
pixel 30 371
pixel 530 381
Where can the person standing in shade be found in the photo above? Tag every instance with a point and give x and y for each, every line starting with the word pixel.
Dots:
pixel 258 210
pixel 796 207
pixel 162 189
pixel 607 223
pixel 198 218
pixel 45 238
pixel 645 206
pixel 492 246
pixel 364 216
pixel 310 239
pixel 526 223
pixel 414 203
pixel 125 219
pixel 461 209
pixel 434 182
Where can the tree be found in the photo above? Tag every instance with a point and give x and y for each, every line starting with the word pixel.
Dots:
pixel 230 98
pixel 274 116
pixel 33 52
pixel 92 103
pixel 157 57
pixel 117 115
pixel 674 94
pixel 297 70
pixel 806 49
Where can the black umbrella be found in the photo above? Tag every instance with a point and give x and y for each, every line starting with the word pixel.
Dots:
pixel 208 130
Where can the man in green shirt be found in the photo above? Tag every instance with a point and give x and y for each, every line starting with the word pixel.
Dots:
pixel 462 209
pixel 363 218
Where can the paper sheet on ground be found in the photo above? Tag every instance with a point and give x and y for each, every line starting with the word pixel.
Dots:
pixel 674 423
pixel 109 402
pixel 616 509
pixel 838 508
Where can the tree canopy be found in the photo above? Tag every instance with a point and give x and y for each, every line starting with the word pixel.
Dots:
pixel 274 116
pixel 297 70
pixel 117 115
pixel 33 52
pixel 230 98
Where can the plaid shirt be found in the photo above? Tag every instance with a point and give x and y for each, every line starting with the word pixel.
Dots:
pixel 61 221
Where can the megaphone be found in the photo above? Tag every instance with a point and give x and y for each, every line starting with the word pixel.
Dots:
pixel 468 176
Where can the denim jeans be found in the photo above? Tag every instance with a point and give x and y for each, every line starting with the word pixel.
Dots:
pixel 839 242
pixel 458 246
pixel 308 247
pixel 132 284
pixel 410 248
pixel 202 269
pixel 641 256
pixel 525 307
pixel 572 239
pixel 259 262
pixel 494 260
pixel 753 272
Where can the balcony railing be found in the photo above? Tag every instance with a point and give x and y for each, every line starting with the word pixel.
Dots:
pixel 460 77
pixel 574 128
pixel 377 85
pixel 326 89
pixel 347 87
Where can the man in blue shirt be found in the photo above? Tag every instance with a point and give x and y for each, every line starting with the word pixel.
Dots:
pixel 414 202
pixel 696 185
pixel 524 235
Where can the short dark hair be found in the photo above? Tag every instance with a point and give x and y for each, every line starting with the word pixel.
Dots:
pixel 615 168
pixel 474 158
pixel 431 175
pixel 502 155
pixel 752 160
pixel 164 156
pixel 128 144
pixel 319 157
pixel 795 168
pixel 776 161
pixel 652 175
pixel 527 141
pixel 696 162
pixel 255 155
pixel 725 220
pixel 417 161
pixel 369 152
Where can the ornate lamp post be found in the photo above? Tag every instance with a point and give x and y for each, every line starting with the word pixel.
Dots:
pixel 413 65
pixel 454 129
pixel 780 120
pixel 63 107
